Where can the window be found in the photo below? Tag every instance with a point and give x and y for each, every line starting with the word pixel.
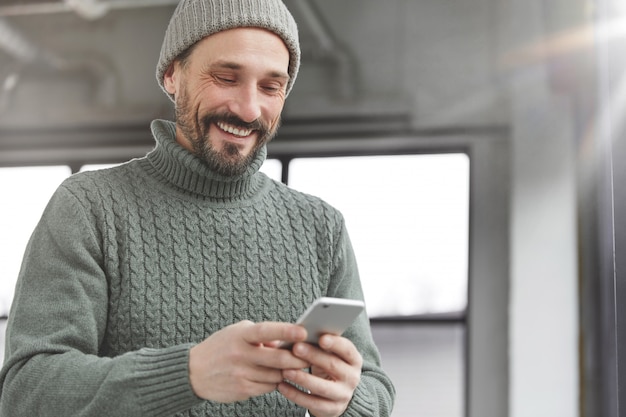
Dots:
pixel 272 168
pixel 25 192
pixel 408 219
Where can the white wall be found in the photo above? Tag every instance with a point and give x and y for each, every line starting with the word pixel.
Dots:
pixel 544 300
pixel 543 311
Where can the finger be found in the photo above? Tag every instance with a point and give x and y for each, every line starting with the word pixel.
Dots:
pixel 259 375
pixel 273 358
pixel 269 332
pixel 343 348
pixel 333 366
pixel 302 398
pixel 273 344
pixel 314 385
pixel 294 394
pixel 318 404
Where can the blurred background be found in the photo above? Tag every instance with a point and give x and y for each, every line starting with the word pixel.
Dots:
pixel 472 145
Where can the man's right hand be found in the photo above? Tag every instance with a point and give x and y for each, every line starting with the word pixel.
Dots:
pixel 241 361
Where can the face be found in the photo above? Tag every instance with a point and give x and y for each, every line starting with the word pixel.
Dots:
pixel 229 94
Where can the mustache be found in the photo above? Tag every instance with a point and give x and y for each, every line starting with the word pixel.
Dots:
pixel 233 120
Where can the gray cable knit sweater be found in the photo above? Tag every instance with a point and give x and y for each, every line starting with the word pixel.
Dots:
pixel 131 266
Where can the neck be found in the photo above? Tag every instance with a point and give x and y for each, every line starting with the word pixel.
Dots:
pixel 179 167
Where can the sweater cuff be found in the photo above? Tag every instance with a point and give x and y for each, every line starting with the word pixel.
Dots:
pixel 163 377
pixel 361 404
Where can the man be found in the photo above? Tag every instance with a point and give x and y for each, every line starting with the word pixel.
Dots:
pixel 163 286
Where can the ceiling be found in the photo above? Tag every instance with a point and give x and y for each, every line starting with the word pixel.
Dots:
pixel 79 74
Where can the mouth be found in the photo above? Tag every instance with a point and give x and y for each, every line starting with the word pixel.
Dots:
pixel 234 130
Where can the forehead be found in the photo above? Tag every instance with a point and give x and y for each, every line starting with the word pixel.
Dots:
pixel 251 46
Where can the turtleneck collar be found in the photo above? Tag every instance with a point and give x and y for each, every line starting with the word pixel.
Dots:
pixel 185 171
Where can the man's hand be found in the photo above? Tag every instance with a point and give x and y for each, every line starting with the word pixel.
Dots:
pixel 335 374
pixel 241 360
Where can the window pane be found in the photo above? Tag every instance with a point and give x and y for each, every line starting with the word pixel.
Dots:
pixel 272 168
pixel 25 191
pixel 408 219
pixel 427 359
pixel 94 167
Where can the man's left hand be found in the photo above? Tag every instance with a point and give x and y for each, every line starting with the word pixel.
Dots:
pixel 335 373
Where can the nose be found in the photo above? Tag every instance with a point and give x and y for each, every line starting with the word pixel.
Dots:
pixel 246 104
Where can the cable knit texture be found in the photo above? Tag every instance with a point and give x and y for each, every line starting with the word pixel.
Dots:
pixel 131 266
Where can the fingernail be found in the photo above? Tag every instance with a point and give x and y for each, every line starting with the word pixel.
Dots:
pixel 302 349
pixel 325 342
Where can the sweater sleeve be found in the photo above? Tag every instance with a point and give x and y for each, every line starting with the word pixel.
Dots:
pixel 375 394
pixel 56 325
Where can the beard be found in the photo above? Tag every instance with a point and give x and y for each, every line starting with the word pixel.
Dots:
pixel 228 161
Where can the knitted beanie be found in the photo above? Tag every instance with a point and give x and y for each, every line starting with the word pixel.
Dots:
pixel 194 20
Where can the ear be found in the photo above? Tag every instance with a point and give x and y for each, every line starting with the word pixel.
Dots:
pixel 170 79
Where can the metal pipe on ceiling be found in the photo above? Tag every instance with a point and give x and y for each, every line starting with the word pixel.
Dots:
pixel 16 44
pixel 96 8
pixel 345 80
pixel 31 60
pixel 88 9
pixel 26 53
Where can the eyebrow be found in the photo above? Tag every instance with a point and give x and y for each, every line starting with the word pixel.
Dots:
pixel 235 66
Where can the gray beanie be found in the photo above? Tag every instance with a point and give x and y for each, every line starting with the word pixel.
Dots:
pixel 194 20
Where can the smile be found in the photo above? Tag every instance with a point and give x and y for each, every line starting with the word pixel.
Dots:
pixel 234 130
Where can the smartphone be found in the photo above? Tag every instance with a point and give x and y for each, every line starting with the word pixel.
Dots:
pixel 328 315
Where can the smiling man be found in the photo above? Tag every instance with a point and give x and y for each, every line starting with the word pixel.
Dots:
pixel 164 286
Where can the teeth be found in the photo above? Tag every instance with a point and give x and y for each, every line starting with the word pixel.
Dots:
pixel 235 131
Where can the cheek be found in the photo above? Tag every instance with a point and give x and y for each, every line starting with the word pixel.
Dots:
pixel 273 126
pixel 274 112
pixel 206 95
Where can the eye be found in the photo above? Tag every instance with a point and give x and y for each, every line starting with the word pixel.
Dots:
pixel 272 88
pixel 225 80
pixel 224 77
